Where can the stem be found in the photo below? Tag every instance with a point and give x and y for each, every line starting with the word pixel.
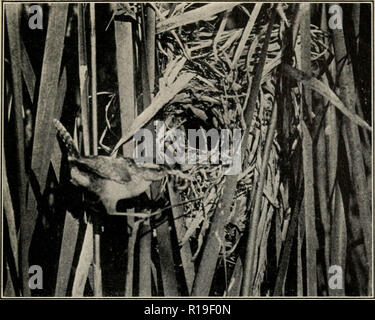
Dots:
pixel 83 78
pixel 253 226
pixel 354 146
pixel 147 51
pixel 307 155
pixel 249 112
pixel 98 291
pixel 13 24
pixel 94 110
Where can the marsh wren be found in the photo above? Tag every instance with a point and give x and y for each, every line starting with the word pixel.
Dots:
pixel 111 179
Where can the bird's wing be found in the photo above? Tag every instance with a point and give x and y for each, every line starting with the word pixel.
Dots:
pixel 105 167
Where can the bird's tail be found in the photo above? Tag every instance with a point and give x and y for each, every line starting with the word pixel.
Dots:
pixel 67 139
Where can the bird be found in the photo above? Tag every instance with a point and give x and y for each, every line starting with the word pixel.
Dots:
pixel 110 179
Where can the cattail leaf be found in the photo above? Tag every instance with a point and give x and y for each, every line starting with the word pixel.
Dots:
pixel 68 245
pixel 309 206
pixel 44 134
pixel 84 262
pixel 145 259
pixel 203 13
pixel 168 274
pixel 234 287
pixel 13 19
pixel 346 83
pixel 28 72
pixel 185 250
pixel 339 237
pixel 163 97
pixel 246 33
pixel 327 93
pixel 10 218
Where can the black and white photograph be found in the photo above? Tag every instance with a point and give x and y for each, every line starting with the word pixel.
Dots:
pixel 187 149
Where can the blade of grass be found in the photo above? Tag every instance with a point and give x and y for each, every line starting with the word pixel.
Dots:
pixel 356 17
pixel 212 246
pixel 338 237
pixel 83 78
pixel 300 241
pixel 84 268
pixel 98 290
pixel 262 246
pixel 326 161
pixel 309 206
pixel 126 80
pixel 30 80
pixel 70 226
pixel 278 238
pixel 9 290
pixel 144 59
pixel 13 12
pixel 331 135
pixel 246 288
pixel 185 250
pixel 162 98
pixel 327 93
pixel 331 128
pixel 10 217
pixel 249 269
pixel 126 83
pixel 192 16
pixel 56 162
pixel 150 45
pixel 234 288
pixel 306 59
pixel 167 264
pixel 68 246
pixel 300 11
pixel 285 100
pixel 347 93
pixel 44 134
pixel 131 252
pixel 144 283
pixel 321 177
pixel 84 262
pixel 28 72
pixel 147 53
pixel 246 33
pixel 288 243
pixel 94 100
pixel 60 97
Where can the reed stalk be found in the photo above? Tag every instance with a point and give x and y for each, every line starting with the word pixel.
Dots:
pixel 98 287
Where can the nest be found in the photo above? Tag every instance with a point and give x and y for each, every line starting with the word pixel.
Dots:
pixel 224 61
pixel 219 61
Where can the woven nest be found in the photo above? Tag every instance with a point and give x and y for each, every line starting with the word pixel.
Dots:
pixel 224 64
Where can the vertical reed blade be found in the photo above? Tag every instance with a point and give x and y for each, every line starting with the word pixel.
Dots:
pixel 346 83
pixel 44 133
pixel 167 263
pixel 125 62
pixel 309 206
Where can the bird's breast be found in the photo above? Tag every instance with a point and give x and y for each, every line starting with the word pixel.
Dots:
pixel 116 191
pixel 80 178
